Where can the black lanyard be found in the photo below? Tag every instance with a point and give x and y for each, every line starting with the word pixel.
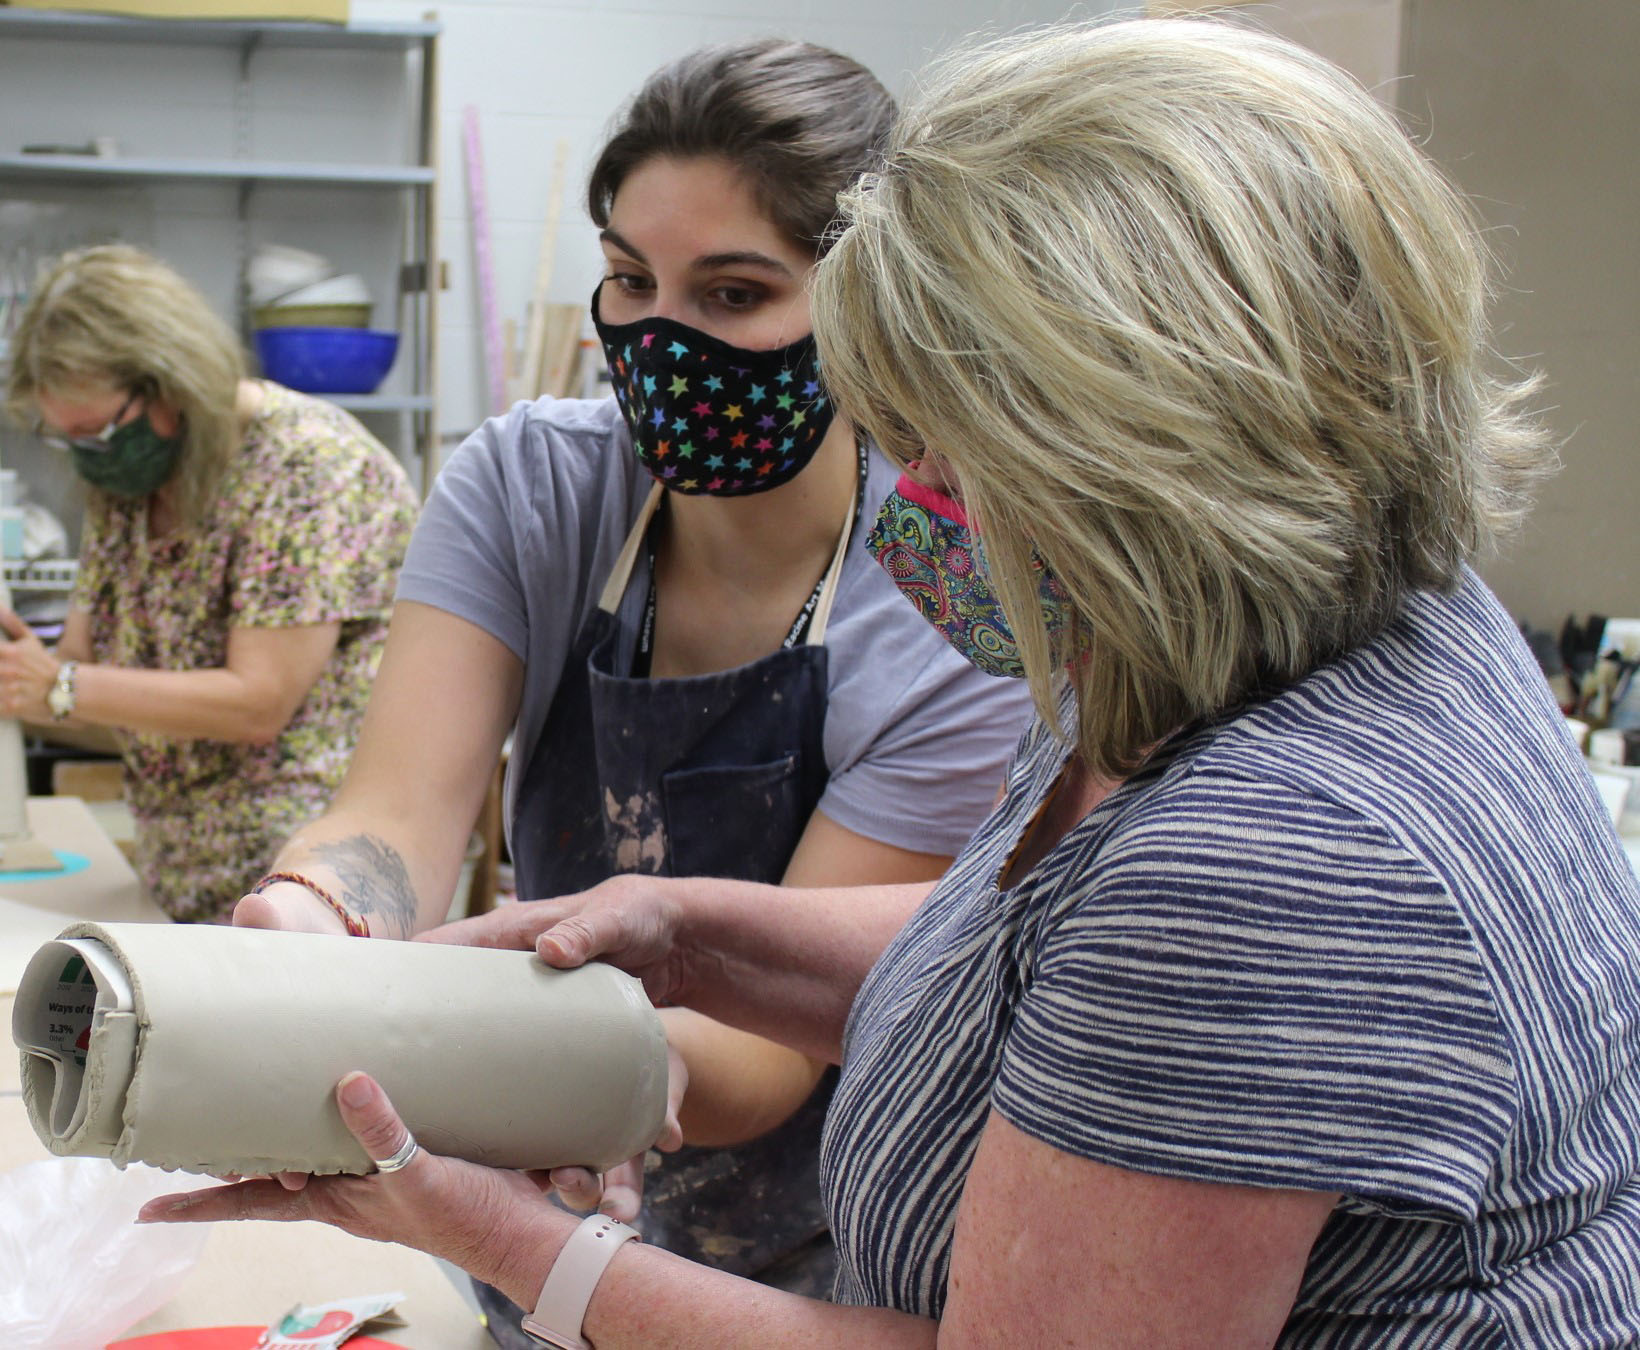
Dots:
pixel 643 657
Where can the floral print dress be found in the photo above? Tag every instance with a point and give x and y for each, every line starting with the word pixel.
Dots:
pixel 310 527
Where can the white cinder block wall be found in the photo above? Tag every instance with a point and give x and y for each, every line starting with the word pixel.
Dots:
pixel 537 70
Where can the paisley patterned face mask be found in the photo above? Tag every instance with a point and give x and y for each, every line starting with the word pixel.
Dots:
pixel 710 418
pixel 923 542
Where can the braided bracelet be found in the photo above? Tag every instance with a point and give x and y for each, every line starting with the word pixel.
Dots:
pixel 356 927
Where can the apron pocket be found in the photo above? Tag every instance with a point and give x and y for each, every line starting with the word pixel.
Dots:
pixel 740 821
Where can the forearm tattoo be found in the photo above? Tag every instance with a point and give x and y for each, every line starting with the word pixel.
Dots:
pixel 374 879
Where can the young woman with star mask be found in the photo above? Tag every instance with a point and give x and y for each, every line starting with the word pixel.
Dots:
pixel 666 599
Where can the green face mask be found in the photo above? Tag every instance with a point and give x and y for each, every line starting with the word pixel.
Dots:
pixel 134 461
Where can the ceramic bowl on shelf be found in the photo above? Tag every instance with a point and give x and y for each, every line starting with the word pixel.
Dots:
pixel 335 302
pixel 347 289
pixel 278 269
pixel 326 360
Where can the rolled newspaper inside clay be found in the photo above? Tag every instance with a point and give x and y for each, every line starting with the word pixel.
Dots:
pixel 212 1049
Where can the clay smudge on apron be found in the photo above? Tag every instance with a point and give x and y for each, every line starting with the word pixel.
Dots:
pixel 637 831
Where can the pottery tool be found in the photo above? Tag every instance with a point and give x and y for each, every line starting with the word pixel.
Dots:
pixel 28 855
pixel 479 212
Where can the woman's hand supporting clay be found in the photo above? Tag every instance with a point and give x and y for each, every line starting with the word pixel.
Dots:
pixel 783 962
pixel 492 1222
pixel 619 1191
pixel 498 1226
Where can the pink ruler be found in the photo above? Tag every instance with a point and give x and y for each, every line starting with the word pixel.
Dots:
pixel 495 376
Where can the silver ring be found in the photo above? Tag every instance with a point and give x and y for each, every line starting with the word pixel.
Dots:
pixel 401 1155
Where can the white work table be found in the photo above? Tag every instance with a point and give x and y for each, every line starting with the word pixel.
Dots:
pixel 249 1273
pixel 33 912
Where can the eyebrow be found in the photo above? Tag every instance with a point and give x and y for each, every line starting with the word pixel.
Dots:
pixel 84 427
pixel 709 262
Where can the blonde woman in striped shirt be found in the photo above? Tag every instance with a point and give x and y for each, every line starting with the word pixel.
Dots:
pixel 1291 994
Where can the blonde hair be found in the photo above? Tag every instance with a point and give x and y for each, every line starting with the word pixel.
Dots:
pixel 1189 317
pixel 118 315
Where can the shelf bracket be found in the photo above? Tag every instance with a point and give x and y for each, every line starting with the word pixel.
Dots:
pixel 242 150
pixel 242 97
pixel 413 277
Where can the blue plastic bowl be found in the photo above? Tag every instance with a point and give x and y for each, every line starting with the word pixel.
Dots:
pixel 326 360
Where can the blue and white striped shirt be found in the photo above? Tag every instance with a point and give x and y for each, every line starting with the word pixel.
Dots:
pixel 1374 935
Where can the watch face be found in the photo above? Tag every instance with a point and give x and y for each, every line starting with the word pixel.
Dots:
pixel 60 697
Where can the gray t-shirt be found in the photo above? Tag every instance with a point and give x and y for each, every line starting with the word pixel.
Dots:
pixel 521 533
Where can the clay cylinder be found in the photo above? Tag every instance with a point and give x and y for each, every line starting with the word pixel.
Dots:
pixel 218 1050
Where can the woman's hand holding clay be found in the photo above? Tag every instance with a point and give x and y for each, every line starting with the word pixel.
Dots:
pixel 485 1219
pixel 629 922
pixel 27 670
pixel 635 923
pixel 287 906
pixel 619 1191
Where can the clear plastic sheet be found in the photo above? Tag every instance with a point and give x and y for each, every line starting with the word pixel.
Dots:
pixel 75 1271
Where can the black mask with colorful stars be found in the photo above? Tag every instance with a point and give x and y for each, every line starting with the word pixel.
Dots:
pixel 707 417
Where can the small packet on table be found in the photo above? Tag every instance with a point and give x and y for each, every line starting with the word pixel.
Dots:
pixel 325 1326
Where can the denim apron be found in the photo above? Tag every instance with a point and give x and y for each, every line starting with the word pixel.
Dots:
pixel 701 775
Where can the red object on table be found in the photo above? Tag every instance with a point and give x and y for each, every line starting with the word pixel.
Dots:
pixel 227 1338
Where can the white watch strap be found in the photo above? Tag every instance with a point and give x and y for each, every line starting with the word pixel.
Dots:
pixel 574 1275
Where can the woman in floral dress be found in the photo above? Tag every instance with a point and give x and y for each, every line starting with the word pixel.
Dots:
pixel 237 568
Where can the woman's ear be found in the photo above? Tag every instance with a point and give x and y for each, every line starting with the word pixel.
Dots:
pixel 165 418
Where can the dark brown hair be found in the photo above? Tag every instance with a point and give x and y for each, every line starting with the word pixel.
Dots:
pixel 799 121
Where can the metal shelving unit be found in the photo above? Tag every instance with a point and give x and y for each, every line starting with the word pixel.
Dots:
pixel 382 402
pixel 49 574
pixel 212 32
pixel 418 276
pixel 83 168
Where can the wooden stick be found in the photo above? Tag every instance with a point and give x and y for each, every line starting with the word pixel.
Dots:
pixel 563 347
pixel 479 217
pixel 536 341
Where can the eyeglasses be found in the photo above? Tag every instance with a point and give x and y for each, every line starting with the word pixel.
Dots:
pixel 91 445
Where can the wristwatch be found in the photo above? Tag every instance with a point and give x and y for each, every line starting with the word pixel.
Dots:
pixel 60 697
pixel 559 1311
